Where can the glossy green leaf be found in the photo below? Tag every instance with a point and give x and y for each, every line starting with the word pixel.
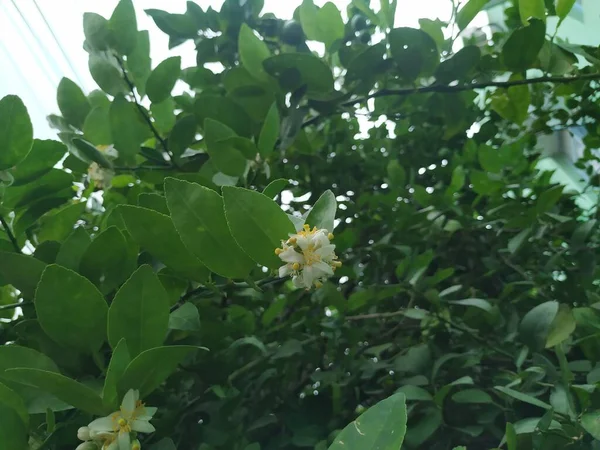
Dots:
pixel 536 324
pixel 563 8
pixel 532 8
pixel 155 233
pixel 269 132
pixel 521 49
pixel 92 153
pixel 64 388
pixel 96 31
pixel 13 356
pixel 322 214
pixel 257 224
pixel 106 74
pixel 275 187
pixel 475 302
pixel 150 368
pixel 198 215
pixel 106 261
pixel 185 318
pixel 163 114
pixel 123 26
pixel 591 423
pixel 12 400
pixel 561 327
pixel 161 81
pixel 119 361
pixel 253 52
pixel 183 134
pixel 522 397
pixel 139 63
pixel 128 127
pixel 72 102
pixel 414 52
pixel 139 312
pixel 225 111
pixel 59 224
pixel 22 271
pixel 16 132
pixel 472 396
pixel 72 250
pixel 226 158
pixel 41 159
pixel 70 309
pixel 13 432
pixel 323 24
pixel 382 426
pixel 96 127
pixel 396 175
pixel 468 12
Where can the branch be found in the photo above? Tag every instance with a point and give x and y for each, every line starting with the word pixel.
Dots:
pixel 446 89
pixel 10 234
pixel 142 111
pixel 15 305
pixel 376 315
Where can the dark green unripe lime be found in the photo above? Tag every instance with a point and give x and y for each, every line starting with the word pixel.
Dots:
pixel 292 33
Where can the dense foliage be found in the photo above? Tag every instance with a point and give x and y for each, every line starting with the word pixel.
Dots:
pixel 138 253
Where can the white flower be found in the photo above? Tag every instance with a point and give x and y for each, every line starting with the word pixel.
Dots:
pixel 83 434
pixel 309 256
pixel 89 445
pixel 115 429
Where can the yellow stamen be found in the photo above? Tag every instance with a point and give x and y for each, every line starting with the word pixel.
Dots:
pixel 314 230
pixel 330 236
pixel 292 240
pixel 337 263
pixel 278 251
pixel 296 266
pixel 306 227
pixel 318 284
pixel 122 422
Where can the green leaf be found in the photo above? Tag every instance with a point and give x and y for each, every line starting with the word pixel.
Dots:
pixel 139 64
pixel 532 8
pixel 322 214
pixel 274 310
pixel 185 318
pixel 96 31
pixel 16 132
pixel 591 423
pixel 156 234
pixel 70 309
pixel 12 400
pixel 522 397
pixel 307 69
pixel 414 52
pixel 96 127
pixel 511 436
pixel 227 159
pixel 396 174
pixel 183 134
pixel 257 224
pixel 139 312
pixel 269 132
pixel 92 153
pixel 163 114
pixel 161 81
pixel 128 128
pixel 155 202
pixel 198 215
pixel 253 52
pixel 58 224
pixel 468 12
pixel 458 66
pixel 324 24
pixel 22 271
pixel 72 250
pixel 523 46
pixel 472 396
pixel 66 389
pixel 562 326
pixel 106 74
pixel 563 8
pixel 13 432
pixel 415 393
pixel 150 368
pixel 123 26
pixel 225 111
pixel 106 262
pixel 13 356
pixel 475 302
pixel 517 242
pixel 275 187
pixel 72 102
pixel 119 361
pixel 536 324
pixel 382 426
pixel 41 159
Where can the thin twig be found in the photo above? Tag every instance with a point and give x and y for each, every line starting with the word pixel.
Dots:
pixel 15 305
pixel 376 315
pixel 10 234
pixel 446 89
pixel 142 111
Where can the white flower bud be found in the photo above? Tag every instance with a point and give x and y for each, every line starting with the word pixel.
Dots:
pixel 89 445
pixel 83 434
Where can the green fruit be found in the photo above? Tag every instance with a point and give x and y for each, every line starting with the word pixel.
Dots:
pixel 292 33
pixel 358 23
pixel 364 37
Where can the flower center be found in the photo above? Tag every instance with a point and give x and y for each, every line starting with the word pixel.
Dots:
pixel 310 257
pixel 120 424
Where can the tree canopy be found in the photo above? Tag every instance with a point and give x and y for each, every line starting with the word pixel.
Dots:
pixel 167 272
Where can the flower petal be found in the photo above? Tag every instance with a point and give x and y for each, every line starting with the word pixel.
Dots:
pixel 320 239
pixel 308 276
pixel 146 412
pixel 291 256
pixel 284 271
pixel 326 252
pixel 298 281
pixel 104 423
pixel 322 269
pixel 112 446
pixel 302 242
pixel 129 403
pixel 124 441
pixel 142 426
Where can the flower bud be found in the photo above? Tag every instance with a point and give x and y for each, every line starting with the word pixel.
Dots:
pixel 83 434
pixel 135 445
pixel 89 445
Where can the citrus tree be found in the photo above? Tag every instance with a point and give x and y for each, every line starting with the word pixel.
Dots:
pixel 324 221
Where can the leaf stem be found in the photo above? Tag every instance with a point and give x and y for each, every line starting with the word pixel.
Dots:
pixel 15 305
pixel 10 234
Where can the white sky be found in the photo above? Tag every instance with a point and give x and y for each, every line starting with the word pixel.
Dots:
pixel 33 63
